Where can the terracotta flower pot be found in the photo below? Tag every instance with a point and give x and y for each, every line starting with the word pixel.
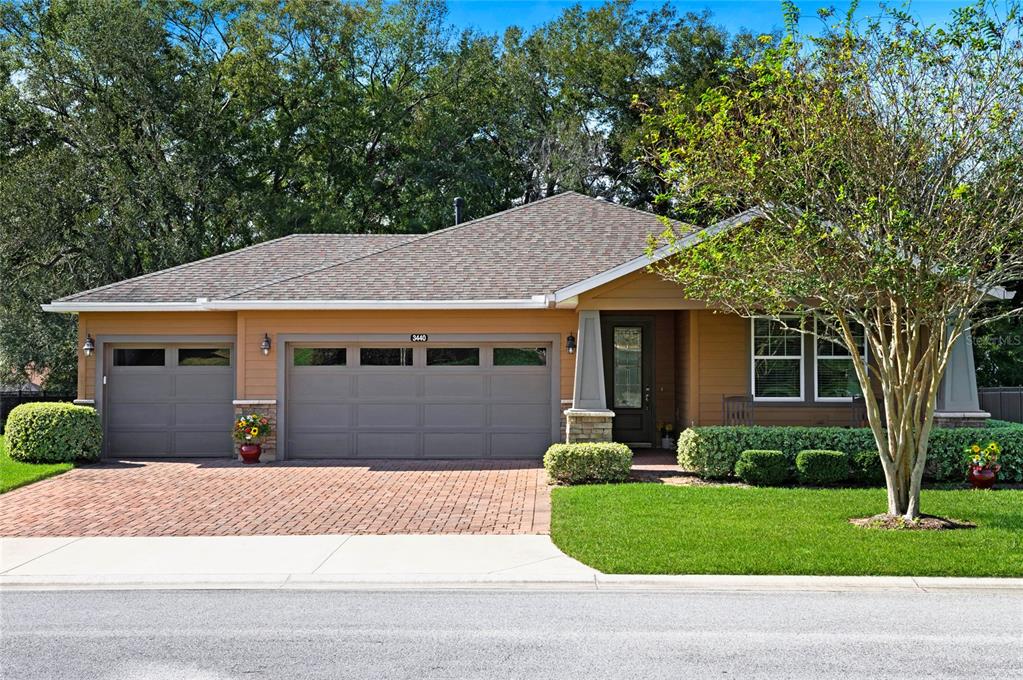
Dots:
pixel 250 453
pixel 982 477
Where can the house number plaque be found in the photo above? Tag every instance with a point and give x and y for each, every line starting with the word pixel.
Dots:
pixel 420 337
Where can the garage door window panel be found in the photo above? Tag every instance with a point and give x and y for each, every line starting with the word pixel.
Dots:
pixel 141 357
pixel 320 356
pixel 385 356
pixel 520 356
pixel 204 356
pixel 453 356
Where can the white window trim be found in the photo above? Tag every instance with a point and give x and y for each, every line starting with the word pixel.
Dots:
pixel 753 366
pixel 817 358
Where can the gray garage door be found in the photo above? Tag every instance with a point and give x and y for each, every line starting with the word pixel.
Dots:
pixel 446 400
pixel 168 400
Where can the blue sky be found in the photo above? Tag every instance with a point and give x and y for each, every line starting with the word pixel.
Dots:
pixel 493 16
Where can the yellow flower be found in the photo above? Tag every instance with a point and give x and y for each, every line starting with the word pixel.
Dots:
pixel 975 448
pixel 254 432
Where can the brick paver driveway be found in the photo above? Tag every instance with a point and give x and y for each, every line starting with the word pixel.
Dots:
pixel 225 498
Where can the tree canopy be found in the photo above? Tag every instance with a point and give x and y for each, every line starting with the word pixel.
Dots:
pixel 884 161
pixel 137 136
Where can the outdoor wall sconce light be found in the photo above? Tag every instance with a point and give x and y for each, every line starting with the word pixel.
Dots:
pixel 570 344
pixel 265 345
pixel 89 347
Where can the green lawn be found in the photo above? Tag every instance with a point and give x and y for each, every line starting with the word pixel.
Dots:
pixel 14 473
pixel 660 529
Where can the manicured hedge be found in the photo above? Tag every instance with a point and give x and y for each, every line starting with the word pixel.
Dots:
pixel 45 432
pixel 992 422
pixel 713 451
pixel 588 463
pixel 821 467
pixel 762 468
pixel 866 468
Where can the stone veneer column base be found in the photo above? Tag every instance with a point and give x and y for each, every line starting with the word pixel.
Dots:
pixel 264 407
pixel 588 425
pixel 961 418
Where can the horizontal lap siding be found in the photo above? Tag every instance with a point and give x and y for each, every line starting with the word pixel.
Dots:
pixel 722 368
pixel 722 362
pixel 260 376
pixel 836 415
pixel 664 369
pixel 640 290
pixel 100 324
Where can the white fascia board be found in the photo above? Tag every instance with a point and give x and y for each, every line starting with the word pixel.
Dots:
pixel 646 260
pixel 202 305
pixel 72 307
pixel 1000 293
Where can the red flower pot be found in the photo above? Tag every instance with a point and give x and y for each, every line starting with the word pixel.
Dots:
pixel 982 477
pixel 250 453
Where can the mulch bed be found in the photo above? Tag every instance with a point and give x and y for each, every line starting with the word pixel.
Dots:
pixel 673 478
pixel 900 523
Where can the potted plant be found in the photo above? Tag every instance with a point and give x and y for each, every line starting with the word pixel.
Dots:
pixel 667 442
pixel 983 463
pixel 250 431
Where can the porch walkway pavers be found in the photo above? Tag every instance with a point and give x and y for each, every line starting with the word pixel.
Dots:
pixel 226 498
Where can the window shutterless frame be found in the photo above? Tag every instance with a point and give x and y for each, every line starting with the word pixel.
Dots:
pixel 754 357
pixel 817 357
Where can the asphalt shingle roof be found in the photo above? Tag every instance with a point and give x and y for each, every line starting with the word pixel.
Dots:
pixel 530 250
pixel 224 275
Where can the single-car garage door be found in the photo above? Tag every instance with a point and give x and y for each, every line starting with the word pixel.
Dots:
pixel 168 400
pixel 443 400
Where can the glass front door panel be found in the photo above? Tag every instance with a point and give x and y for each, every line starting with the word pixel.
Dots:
pixel 628 367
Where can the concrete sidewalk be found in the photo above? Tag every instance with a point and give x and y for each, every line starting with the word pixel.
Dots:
pixel 393 561
pixel 278 560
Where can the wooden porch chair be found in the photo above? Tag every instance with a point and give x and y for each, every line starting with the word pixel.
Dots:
pixel 738 410
pixel 858 412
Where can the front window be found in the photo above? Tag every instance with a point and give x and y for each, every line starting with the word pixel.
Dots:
pixel 836 377
pixel 777 361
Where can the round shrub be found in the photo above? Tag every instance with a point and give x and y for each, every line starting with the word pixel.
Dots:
pixel 595 463
pixel 762 468
pixel 866 468
pixel 818 467
pixel 45 432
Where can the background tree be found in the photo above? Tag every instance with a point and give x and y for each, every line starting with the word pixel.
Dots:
pixel 889 199
pixel 136 136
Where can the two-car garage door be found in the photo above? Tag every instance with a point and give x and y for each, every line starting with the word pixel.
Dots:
pixel 448 400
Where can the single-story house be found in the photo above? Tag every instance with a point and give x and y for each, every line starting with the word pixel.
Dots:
pixel 491 338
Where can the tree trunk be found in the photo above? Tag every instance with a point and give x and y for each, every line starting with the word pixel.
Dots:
pixel 903 493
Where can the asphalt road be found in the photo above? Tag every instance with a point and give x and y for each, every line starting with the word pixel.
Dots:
pixel 219 635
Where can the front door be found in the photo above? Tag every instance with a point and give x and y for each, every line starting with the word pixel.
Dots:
pixel 628 373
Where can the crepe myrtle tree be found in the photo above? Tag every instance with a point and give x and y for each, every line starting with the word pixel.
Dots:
pixel 881 165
